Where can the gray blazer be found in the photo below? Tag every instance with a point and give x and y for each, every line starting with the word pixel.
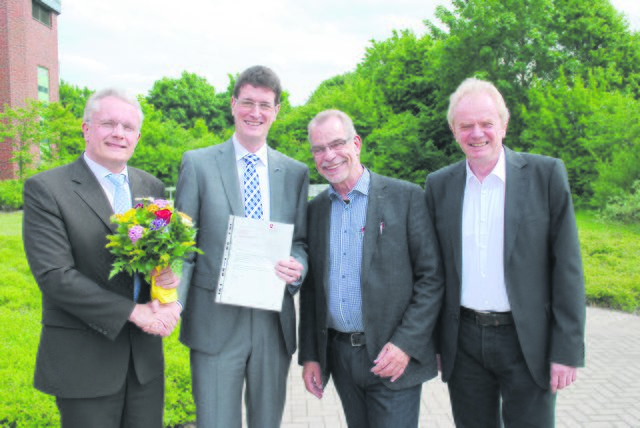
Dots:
pixel 401 279
pixel 208 190
pixel 86 339
pixel 542 262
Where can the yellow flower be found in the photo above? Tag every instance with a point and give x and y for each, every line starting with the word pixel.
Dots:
pixel 186 219
pixel 152 208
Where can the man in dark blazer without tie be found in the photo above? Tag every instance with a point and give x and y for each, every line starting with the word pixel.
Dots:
pixel 100 350
pixel 370 302
pixel 511 330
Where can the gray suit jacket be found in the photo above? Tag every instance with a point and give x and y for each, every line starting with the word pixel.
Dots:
pixel 542 262
pixel 401 279
pixel 86 339
pixel 208 190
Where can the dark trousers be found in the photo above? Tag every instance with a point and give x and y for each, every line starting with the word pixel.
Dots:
pixel 366 401
pixel 133 406
pixel 491 384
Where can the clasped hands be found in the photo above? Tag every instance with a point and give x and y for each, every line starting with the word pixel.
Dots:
pixel 156 318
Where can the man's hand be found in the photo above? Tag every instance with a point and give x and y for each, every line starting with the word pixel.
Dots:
pixel 391 362
pixel 312 376
pixel 165 278
pixel 156 319
pixel 289 270
pixel 562 376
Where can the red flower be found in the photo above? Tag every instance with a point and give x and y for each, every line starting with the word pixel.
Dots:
pixel 164 215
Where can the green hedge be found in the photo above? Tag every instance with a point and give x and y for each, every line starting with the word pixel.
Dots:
pixel 10 195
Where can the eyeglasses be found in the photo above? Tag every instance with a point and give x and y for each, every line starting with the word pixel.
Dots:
pixel 336 146
pixel 110 126
pixel 250 105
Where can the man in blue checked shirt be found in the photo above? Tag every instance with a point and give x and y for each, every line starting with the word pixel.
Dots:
pixel 369 304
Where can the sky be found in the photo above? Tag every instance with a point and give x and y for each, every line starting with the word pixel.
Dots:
pixel 132 43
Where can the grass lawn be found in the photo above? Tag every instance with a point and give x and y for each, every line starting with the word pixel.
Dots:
pixel 610 254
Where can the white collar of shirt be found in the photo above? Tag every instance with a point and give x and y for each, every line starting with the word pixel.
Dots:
pixel 241 152
pixel 101 174
pixel 262 168
pixel 500 170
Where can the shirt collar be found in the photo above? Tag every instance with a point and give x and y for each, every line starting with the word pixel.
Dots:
pixel 500 170
pixel 362 186
pixel 241 151
pixel 100 171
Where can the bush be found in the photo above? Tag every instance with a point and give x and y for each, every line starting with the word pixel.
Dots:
pixel 624 209
pixel 10 195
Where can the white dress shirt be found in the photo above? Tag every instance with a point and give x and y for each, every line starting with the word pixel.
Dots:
pixel 262 168
pixel 483 284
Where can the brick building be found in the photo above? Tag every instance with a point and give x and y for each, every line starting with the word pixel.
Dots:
pixel 28 58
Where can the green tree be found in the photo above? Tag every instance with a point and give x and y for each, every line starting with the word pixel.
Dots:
pixel 23 128
pixel 74 98
pixel 65 139
pixel 190 97
pixel 162 143
pixel 517 42
pixel 592 128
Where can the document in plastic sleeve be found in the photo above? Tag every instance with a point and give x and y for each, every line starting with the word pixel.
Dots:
pixel 248 275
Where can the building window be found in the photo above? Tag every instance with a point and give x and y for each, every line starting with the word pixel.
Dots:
pixel 43 84
pixel 41 13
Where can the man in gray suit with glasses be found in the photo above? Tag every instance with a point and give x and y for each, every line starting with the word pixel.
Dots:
pixel 235 346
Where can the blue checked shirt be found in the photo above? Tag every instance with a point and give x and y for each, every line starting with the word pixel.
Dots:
pixel 347 233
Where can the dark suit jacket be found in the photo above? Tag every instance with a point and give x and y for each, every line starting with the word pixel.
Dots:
pixel 542 262
pixel 86 340
pixel 401 279
pixel 208 190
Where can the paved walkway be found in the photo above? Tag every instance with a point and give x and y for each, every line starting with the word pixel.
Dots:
pixel 606 394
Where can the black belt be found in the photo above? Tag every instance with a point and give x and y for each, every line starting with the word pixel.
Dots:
pixel 354 339
pixel 485 318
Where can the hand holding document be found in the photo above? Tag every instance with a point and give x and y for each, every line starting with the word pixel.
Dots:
pixel 252 250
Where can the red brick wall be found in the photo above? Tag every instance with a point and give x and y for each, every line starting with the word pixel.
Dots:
pixel 25 44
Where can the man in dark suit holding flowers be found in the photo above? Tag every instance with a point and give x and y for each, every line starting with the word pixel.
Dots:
pixel 100 351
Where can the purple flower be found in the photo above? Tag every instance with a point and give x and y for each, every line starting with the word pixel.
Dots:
pixel 135 233
pixel 157 224
pixel 161 203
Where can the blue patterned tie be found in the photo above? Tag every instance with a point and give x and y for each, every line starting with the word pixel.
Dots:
pixel 252 195
pixel 121 204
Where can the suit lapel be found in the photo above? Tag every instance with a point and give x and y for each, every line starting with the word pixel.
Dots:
pixel 456 191
pixel 226 161
pixel 375 219
pixel 515 194
pixel 276 185
pixel 87 187
pixel 323 229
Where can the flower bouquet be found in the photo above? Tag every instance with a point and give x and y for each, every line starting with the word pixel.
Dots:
pixel 152 235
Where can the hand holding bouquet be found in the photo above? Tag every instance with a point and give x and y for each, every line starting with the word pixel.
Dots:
pixel 152 235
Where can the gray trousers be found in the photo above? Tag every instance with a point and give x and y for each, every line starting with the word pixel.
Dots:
pixel 255 357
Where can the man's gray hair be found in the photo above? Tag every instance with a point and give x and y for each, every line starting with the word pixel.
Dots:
pixel 93 103
pixel 322 117
pixel 474 86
